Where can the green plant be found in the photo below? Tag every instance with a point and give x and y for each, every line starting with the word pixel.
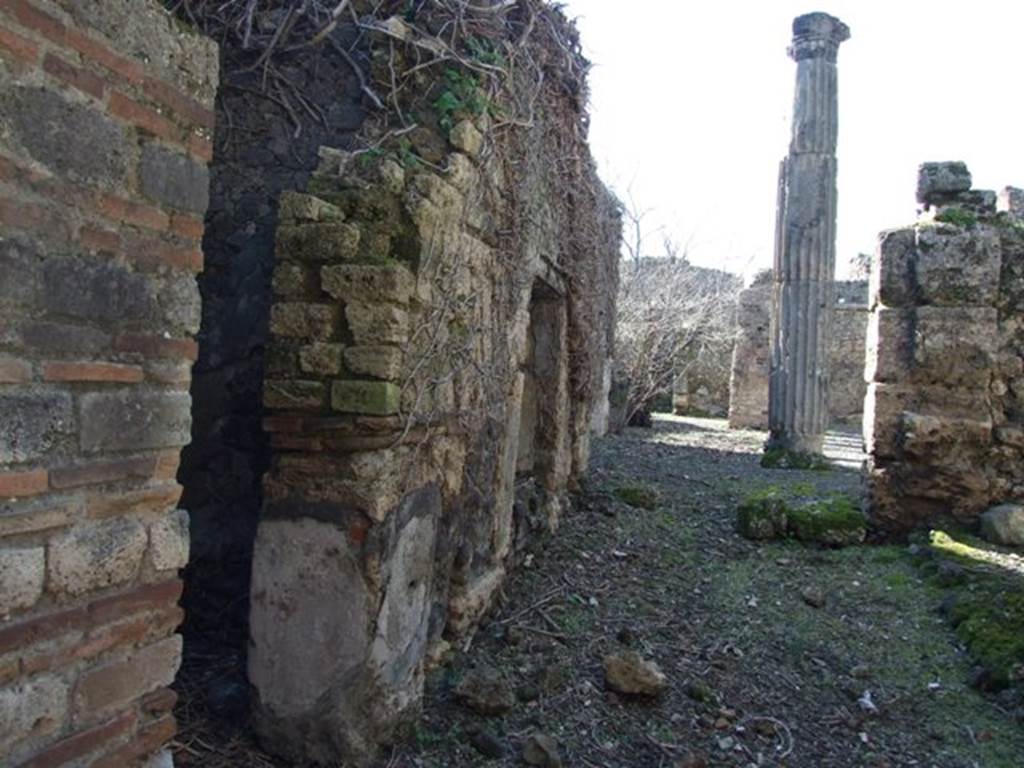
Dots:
pixel 460 98
pixel 485 51
pixel 638 496
pixel 958 217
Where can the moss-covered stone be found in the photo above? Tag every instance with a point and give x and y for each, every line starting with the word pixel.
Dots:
pixel 780 458
pixel 763 516
pixel 375 398
pixel 835 522
pixel 769 514
pixel 638 496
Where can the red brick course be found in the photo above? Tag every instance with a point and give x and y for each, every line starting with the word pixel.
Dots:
pixel 83 743
pixel 110 372
pixel 24 483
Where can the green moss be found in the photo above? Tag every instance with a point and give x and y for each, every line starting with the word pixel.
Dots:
pixel 769 514
pixel 780 458
pixel 638 496
pixel 987 607
pixel 834 521
pixel 958 217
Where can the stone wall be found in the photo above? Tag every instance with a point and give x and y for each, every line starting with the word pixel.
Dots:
pixel 105 118
pixel 440 328
pixel 944 423
pixel 748 386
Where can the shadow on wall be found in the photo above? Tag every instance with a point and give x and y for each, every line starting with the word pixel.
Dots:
pixel 265 141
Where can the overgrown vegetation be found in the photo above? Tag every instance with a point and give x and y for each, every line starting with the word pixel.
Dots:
pixel 772 513
pixel 780 458
pixel 638 496
pixel 958 217
pixel 985 604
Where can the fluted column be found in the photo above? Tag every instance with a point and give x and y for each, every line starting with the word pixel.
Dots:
pixel 802 300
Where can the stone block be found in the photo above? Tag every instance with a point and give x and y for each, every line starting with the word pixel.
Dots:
pixel 31 709
pixel 321 359
pixel 303 321
pixel 375 324
pixel 112 686
pixel 938 180
pixel 309 630
pixel 296 207
pixel 21 266
pixel 954 346
pixel 368 283
pixel 173 179
pixel 375 398
pixel 466 137
pixel 956 266
pixel 290 394
pixel 22 573
pixel 135 419
pixel 322 241
pixel 97 290
pixel 64 135
pixel 33 424
pixel 1004 525
pixel 890 345
pixel 381 362
pixel 95 555
pixel 169 541
pixel 294 281
pixel 892 271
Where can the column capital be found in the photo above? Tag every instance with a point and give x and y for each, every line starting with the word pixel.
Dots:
pixel 817 36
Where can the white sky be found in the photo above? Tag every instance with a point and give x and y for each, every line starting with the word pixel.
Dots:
pixel 691 104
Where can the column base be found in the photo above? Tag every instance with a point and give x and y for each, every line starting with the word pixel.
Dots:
pixel 794 452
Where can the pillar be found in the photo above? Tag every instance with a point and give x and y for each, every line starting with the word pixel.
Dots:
pixel 802 300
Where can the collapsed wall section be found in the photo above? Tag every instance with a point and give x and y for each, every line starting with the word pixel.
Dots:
pixel 943 422
pixel 440 327
pixel 105 118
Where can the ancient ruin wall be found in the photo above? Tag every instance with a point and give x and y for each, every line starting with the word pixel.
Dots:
pixel 439 331
pixel 104 139
pixel 943 421
pixel 748 386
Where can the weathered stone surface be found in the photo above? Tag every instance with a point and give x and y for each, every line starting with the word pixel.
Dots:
pixel 22 573
pixel 486 692
pixel 287 394
pixel 309 637
pixel 377 398
pixel 31 708
pixel 64 135
pixel 134 419
pixel 299 207
pixel 1004 525
pixel 938 180
pixel 381 362
pixel 322 241
pixel 174 179
pixel 368 283
pixel 95 555
pixel 110 687
pixel 304 321
pixel 97 290
pixel 374 324
pixel 802 306
pixel 466 137
pixel 542 750
pixel 630 673
pixel 957 267
pixel 33 424
pixel 321 359
pixel 294 281
pixel 169 541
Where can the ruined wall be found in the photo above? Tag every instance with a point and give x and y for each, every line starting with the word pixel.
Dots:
pixel 439 332
pixel 104 139
pixel 943 422
pixel 748 386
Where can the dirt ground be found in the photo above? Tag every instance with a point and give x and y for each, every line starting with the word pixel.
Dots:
pixel 776 654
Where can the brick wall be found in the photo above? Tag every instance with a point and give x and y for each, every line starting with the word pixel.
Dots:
pixel 105 118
